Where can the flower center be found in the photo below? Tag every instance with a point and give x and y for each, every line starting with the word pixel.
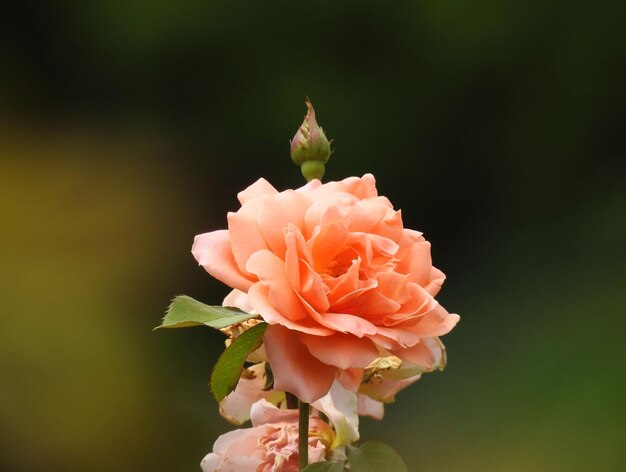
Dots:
pixel 340 265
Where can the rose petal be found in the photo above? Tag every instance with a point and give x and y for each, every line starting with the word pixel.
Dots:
pixel 210 462
pixel 340 406
pixel 363 187
pixel 277 213
pixel 436 281
pixel 263 412
pixel 213 252
pixel 386 390
pixel 341 350
pixel 350 378
pixel 349 287
pixel 250 389
pixel 238 299
pixel 292 259
pixel 309 186
pixel 428 353
pixel 257 189
pixel 295 369
pixel 392 285
pixel 397 337
pixel 344 323
pixel 437 322
pixel 258 295
pixel 376 250
pixel 321 192
pixel 237 442
pixel 312 288
pixel 414 256
pixel 369 407
pixel 240 464
pixel 317 452
pixel 420 302
pixel 246 237
pixel 326 244
pixel 372 305
pixel 375 216
pixel 271 271
pixel 419 354
pixel 390 225
pixel 330 209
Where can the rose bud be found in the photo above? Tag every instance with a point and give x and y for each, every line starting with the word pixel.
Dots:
pixel 310 149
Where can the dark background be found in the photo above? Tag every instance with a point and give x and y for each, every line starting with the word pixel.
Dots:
pixel 127 127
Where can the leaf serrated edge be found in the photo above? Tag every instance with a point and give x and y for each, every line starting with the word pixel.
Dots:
pixel 198 323
pixel 167 310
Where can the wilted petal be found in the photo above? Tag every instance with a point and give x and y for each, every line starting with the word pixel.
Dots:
pixel 429 353
pixel 386 390
pixel 369 407
pixel 340 406
pixel 210 462
pixel 250 389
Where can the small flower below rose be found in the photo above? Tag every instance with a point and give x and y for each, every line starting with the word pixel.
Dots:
pixel 271 445
pixel 341 408
pixel 339 405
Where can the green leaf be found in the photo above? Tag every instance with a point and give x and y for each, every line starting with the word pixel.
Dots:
pixel 184 311
pixel 375 456
pixel 324 466
pixel 228 368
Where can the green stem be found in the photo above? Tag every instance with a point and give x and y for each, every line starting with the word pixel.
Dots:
pixel 303 435
pixel 292 401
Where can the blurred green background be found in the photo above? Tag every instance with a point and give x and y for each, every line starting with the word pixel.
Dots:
pixel 127 127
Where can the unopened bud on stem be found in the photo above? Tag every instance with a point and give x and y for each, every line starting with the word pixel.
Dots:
pixel 310 149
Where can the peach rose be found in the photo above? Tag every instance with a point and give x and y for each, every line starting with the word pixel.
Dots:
pixel 271 445
pixel 336 275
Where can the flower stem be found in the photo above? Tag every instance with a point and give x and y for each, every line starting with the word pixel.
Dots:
pixel 303 435
pixel 292 401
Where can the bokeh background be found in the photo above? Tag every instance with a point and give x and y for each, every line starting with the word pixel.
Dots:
pixel 127 127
